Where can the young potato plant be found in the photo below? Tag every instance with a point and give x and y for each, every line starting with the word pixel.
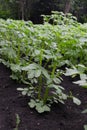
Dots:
pixel 36 55
pixel 44 90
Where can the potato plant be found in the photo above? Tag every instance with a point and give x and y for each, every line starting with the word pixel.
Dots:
pixel 36 55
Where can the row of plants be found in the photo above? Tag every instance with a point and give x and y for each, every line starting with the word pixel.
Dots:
pixel 39 55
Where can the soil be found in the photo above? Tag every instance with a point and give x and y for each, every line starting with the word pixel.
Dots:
pixel 61 117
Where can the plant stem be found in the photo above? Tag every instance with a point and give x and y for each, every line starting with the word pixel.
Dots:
pixel 46 95
pixel 40 78
pixel 40 87
pixel 53 71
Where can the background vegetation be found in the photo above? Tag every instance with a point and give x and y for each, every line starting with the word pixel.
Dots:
pixel 32 9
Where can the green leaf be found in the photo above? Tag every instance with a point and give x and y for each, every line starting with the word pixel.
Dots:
pixel 64 96
pixel 58 90
pixel 76 101
pixel 57 80
pixel 45 73
pixel 37 52
pixel 31 74
pixel 83 76
pixel 32 103
pixel 81 68
pixel 30 67
pixel 15 67
pixel 70 72
pixel 42 108
pixel 24 92
pixel 14 76
pixel 85 127
pixel 20 89
pixel 85 111
pixel 35 80
pixel 37 73
pixel 81 83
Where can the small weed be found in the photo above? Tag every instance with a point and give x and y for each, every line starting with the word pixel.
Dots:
pixel 17 122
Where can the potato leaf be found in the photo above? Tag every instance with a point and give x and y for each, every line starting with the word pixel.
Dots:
pixel 70 72
pixel 85 127
pixel 32 103
pixel 76 101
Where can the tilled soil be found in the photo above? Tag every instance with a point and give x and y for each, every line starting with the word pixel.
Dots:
pixel 61 117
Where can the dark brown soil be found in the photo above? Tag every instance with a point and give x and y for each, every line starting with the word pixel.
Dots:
pixel 62 117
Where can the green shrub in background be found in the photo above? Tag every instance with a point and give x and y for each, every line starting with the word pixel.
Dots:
pixel 8 9
pixel 32 9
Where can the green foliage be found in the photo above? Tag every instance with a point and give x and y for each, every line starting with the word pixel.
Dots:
pixel 78 70
pixel 8 9
pixel 34 8
pixel 59 18
pixel 36 54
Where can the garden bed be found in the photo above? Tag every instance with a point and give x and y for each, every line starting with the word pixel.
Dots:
pixel 42 60
pixel 61 117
